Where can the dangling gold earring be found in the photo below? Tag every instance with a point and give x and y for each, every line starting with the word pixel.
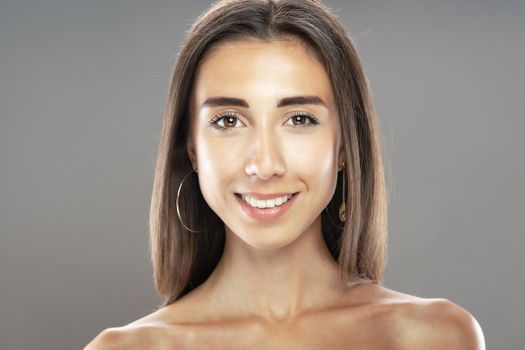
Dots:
pixel 177 202
pixel 342 208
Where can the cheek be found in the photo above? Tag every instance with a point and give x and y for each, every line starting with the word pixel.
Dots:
pixel 313 157
pixel 218 162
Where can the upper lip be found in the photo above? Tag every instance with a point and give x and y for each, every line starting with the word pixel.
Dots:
pixel 266 195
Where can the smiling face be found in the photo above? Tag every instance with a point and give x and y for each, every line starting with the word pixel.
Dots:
pixel 261 139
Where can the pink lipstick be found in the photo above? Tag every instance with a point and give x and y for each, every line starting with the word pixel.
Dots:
pixel 267 214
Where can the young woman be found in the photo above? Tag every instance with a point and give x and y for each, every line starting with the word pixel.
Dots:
pixel 268 216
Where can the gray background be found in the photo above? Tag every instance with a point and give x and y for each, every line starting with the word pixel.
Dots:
pixel 83 87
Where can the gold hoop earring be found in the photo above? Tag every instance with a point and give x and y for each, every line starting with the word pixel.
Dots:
pixel 177 202
pixel 342 208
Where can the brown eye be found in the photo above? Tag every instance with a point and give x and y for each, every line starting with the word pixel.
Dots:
pixel 300 119
pixel 229 121
pixel 226 121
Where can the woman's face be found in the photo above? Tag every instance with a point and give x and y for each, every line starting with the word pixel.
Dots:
pixel 259 140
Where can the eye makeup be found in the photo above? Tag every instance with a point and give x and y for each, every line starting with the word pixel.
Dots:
pixel 232 116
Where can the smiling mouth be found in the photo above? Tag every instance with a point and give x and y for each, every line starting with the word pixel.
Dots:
pixel 274 211
pixel 269 203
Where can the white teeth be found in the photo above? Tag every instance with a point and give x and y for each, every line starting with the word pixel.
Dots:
pixel 266 203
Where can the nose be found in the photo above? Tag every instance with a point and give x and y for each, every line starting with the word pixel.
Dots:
pixel 265 157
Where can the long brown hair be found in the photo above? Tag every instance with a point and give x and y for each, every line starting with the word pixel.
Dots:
pixel 182 260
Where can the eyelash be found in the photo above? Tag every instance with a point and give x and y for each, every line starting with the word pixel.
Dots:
pixel 213 123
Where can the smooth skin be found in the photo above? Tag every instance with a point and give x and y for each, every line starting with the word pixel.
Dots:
pixel 277 286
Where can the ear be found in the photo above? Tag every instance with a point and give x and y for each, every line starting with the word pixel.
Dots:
pixel 341 158
pixel 190 149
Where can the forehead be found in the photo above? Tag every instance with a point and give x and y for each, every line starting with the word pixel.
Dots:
pixel 261 69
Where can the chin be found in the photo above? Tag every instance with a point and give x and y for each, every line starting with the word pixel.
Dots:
pixel 270 240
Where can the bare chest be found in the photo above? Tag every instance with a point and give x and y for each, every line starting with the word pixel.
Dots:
pixel 330 331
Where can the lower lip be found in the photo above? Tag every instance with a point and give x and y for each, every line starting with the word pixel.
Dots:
pixel 267 214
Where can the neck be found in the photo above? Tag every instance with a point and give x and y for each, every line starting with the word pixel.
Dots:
pixel 276 284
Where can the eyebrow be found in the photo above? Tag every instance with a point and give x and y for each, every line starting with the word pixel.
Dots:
pixel 287 101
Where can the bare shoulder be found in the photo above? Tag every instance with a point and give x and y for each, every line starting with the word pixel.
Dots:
pixel 431 323
pixel 146 333
pixel 446 324
pixel 119 338
pixel 164 328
